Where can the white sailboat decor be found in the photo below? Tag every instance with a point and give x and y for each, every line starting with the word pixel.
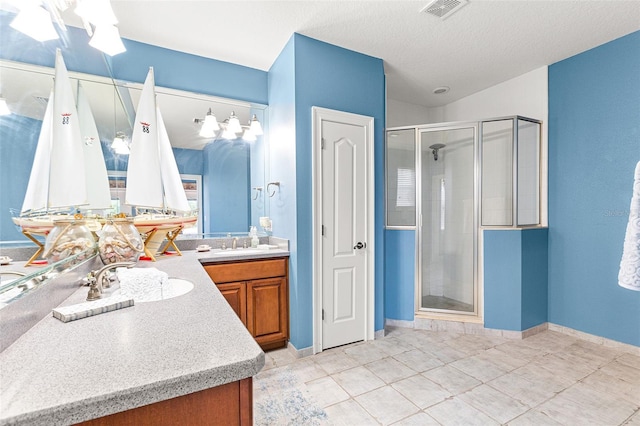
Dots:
pixel 58 183
pixel 153 179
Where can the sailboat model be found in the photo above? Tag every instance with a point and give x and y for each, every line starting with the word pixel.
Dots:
pixel 153 179
pixel 59 181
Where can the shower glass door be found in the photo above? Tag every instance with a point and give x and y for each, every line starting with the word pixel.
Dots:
pixel 447 231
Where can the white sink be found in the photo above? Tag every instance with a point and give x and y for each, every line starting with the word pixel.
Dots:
pixel 174 287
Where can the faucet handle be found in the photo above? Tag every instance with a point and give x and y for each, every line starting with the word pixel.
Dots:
pixel 89 279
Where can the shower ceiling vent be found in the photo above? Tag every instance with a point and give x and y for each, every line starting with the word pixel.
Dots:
pixel 443 8
pixel 41 100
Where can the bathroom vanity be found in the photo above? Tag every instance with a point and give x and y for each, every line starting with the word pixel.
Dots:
pixel 257 290
pixel 185 359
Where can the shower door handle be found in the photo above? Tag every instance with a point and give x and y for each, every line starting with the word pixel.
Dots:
pixel 360 245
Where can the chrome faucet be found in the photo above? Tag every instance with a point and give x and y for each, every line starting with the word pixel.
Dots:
pixel 98 280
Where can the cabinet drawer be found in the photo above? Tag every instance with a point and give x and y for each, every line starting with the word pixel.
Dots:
pixel 244 271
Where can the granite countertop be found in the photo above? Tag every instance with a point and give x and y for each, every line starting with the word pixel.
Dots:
pixel 61 373
pixel 217 255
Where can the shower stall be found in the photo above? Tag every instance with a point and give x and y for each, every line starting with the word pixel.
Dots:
pixel 448 181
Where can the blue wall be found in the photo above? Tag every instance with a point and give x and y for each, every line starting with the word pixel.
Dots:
pixel 226 186
pixel 18 139
pixel 515 278
pixel 78 55
pixel 594 144
pixel 400 274
pixel 282 168
pixel 173 69
pixel 312 73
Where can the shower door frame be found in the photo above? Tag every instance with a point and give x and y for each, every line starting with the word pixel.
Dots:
pixel 476 314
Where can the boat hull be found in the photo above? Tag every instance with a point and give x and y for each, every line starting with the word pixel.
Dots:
pixel 39 225
pixel 42 225
pixel 149 222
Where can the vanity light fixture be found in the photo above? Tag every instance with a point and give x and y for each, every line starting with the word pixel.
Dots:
pixel 119 144
pixel 35 20
pixel 4 108
pixel 210 125
pixel 231 127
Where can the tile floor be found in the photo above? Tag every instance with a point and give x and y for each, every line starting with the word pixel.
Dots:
pixel 418 377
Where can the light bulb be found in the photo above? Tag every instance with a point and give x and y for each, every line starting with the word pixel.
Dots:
pixel 4 108
pixel 106 38
pixel 256 128
pixel 119 144
pixel 228 134
pixel 248 135
pixel 210 125
pixel 234 123
pixel 35 22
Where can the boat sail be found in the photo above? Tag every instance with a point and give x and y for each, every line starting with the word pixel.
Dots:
pixel 53 185
pixel 67 174
pixel 98 192
pixel 153 179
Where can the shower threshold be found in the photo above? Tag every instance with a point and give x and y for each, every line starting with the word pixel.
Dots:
pixel 445 303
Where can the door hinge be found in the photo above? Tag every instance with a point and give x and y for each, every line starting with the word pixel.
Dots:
pixel 323 315
pixel 323 230
pixel 322 143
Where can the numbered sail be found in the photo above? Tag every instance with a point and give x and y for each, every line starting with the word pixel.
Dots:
pixel 67 187
pixel 99 196
pixel 144 182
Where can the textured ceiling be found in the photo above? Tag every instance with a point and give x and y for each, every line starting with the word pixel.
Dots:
pixel 482 44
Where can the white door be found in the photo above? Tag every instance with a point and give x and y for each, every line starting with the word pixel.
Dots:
pixel 345 227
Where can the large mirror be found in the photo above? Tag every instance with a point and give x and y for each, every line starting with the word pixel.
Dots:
pixel 220 175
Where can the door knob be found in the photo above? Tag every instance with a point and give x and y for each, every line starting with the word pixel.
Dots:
pixel 360 245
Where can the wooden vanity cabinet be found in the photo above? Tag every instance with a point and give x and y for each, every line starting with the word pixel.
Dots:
pixel 258 292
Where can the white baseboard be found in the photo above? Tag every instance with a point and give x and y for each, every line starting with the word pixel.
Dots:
pixel 475 328
pixel 299 353
pixel 613 344
pixel 388 322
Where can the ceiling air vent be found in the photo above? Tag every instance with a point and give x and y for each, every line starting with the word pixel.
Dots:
pixel 41 100
pixel 443 8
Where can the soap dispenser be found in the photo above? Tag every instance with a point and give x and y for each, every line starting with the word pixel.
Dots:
pixel 253 231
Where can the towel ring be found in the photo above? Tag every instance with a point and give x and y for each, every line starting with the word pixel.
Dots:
pixel 271 194
pixel 258 190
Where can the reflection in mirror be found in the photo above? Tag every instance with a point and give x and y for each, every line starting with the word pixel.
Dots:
pixel 218 174
pixel 14 285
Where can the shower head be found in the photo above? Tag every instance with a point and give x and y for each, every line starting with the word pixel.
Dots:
pixel 435 148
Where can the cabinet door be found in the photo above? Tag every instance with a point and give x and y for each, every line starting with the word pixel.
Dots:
pixel 235 293
pixel 267 314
